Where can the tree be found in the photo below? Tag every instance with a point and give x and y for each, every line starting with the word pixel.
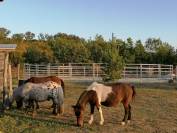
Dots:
pixel 98 48
pixel 17 57
pixel 140 53
pixel 4 33
pixel 18 37
pixel 126 50
pixel 39 53
pixel 70 48
pixel 152 44
pixel 165 54
pixel 114 63
pixel 29 36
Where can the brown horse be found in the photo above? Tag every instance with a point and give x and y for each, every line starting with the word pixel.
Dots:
pixel 45 79
pixel 108 95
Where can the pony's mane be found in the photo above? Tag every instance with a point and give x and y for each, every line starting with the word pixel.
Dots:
pixel 82 97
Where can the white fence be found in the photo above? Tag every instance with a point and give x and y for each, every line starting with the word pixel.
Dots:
pixel 71 71
pixel 86 71
pixel 157 71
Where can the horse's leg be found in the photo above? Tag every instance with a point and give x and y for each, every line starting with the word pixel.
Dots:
pixel 37 105
pixel 55 109
pixel 19 103
pixel 98 105
pixel 129 114
pixel 61 108
pixel 101 115
pixel 126 107
pixel 92 106
pixel 34 107
pixel 52 106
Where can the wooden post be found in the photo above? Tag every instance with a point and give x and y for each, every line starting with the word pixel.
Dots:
pixel 10 80
pixel 5 77
pixel 176 72
pixel 37 69
pixel 141 71
pixel 93 69
pixel 18 72
pixel 70 70
pixel 84 71
pixel 159 71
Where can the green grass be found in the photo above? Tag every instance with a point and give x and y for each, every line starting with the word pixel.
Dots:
pixel 153 111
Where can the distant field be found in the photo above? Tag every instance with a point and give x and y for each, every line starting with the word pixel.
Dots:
pixel 154 111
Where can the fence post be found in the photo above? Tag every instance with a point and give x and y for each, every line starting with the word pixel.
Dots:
pixel 10 80
pixel 18 72
pixel 93 70
pixel 84 71
pixel 137 75
pixel 6 61
pixel 140 70
pixel 159 71
pixel 97 71
pixel 36 66
pixel 124 71
pixel 171 72
pixel 48 69
pixel 58 71
pixel 176 73
pixel 70 70
pixel 29 71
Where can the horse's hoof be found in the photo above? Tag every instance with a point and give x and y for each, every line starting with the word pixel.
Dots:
pixel 33 115
pixel 90 122
pixel 101 122
pixel 128 122
pixel 57 115
pixel 122 123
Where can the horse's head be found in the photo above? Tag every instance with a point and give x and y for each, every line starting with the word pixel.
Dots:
pixel 7 101
pixel 79 114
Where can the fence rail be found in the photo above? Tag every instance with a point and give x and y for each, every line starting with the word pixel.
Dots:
pixel 86 71
pixel 148 71
pixel 66 71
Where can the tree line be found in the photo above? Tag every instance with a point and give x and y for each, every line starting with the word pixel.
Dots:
pixel 64 48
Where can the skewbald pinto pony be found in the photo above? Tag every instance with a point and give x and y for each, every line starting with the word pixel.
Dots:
pixel 107 95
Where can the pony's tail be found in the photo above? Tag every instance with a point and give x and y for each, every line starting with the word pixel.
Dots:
pixel 134 92
pixel 63 86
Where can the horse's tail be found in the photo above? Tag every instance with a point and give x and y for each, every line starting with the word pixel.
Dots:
pixel 63 86
pixel 134 92
pixel 61 100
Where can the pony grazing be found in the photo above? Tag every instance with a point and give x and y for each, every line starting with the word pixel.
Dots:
pixel 108 95
pixel 42 93
pixel 55 79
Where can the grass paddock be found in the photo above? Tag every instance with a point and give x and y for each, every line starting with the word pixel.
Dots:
pixel 153 111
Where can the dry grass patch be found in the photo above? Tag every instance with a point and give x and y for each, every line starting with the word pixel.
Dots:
pixel 153 111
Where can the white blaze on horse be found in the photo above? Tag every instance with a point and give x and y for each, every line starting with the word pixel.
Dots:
pixel 108 95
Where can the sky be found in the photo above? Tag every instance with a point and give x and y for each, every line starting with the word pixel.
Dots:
pixel 138 19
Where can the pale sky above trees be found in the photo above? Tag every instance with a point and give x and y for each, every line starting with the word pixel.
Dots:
pixel 139 19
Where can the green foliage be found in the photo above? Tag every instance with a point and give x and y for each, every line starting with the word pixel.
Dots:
pixel 140 53
pixel 66 48
pixel 126 50
pixel 29 36
pixel 115 64
pixel 39 53
pixel 70 48
pixel 4 33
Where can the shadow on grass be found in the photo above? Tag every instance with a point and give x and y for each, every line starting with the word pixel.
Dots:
pixel 39 119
